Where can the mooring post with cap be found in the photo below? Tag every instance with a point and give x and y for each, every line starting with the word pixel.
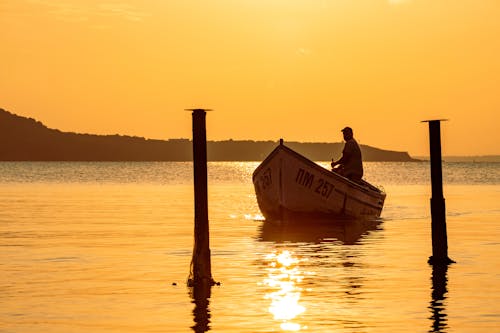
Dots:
pixel 438 211
pixel 201 273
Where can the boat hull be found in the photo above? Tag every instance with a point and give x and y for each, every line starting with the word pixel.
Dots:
pixel 287 183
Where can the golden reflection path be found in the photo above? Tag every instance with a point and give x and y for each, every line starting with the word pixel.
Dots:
pixel 283 279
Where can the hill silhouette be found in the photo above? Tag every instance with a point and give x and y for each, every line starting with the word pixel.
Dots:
pixel 26 139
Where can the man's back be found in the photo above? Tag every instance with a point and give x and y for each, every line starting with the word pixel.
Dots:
pixel 353 164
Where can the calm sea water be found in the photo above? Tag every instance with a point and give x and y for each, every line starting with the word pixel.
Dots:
pixel 106 247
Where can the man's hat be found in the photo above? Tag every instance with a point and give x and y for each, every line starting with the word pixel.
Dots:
pixel 347 129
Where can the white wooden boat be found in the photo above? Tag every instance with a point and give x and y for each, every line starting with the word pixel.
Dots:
pixel 289 183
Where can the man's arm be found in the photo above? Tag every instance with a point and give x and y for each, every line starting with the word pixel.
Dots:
pixel 346 154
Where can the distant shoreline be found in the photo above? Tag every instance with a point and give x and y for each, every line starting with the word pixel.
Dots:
pixel 477 159
pixel 26 139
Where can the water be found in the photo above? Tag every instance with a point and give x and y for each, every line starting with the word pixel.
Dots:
pixel 106 247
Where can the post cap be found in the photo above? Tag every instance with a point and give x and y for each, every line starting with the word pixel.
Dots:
pixel 431 120
pixel 198 109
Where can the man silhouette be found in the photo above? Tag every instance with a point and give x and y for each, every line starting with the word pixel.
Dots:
pixel 350 165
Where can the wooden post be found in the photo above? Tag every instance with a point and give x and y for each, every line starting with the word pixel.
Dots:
pixel 201 273
pixel 438 211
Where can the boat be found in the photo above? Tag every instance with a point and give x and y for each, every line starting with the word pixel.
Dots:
pixel 288 184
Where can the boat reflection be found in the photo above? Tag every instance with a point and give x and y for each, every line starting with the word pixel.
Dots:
pixel 284 291
pixel 292 263
pixel 200 295
pixel 317 229
pixel 437 304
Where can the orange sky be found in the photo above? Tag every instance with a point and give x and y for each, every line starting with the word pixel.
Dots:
pixel 297 69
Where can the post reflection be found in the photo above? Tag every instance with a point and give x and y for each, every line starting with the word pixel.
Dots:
pixel 437 304
pixel 283 279
pixel 200 294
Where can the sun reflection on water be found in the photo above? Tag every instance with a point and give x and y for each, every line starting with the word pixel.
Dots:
pixel 283 279
pixel 254 217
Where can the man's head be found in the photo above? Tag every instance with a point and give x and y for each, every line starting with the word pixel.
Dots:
pixel 347 131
